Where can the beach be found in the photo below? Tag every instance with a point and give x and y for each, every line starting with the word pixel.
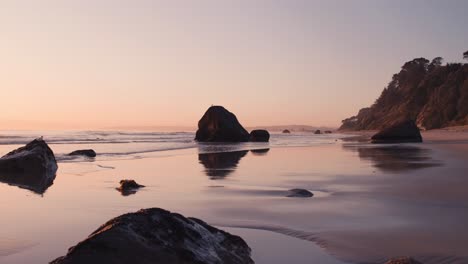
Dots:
pixel 371 202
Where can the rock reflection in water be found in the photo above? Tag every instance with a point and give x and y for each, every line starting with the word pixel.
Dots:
pixel 35 183
pixel 395 158
pixel 260 152
pixel 220 165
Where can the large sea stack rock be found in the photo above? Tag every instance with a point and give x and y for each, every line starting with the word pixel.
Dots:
pixel 32 167
pixel 400 132
pixel 158 236
pixel 220 125
pixel 259 135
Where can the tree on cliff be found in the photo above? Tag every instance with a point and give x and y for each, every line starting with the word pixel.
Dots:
pixel 465 55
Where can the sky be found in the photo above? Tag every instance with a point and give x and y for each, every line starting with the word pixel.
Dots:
pixel 90 64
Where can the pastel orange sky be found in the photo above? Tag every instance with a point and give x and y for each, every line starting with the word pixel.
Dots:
pixel 113 63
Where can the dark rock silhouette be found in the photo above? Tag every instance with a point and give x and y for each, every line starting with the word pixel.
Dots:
pixel 31 167
pixel 432 94
pixel 394 158
pixel 220 165
pixel 403 260
pixel 84 152
pixel 259 135
pixel 259 152
pixel 158 236
pixel 301 193
pixel 328 132
pixel 317 132
pixel 220 125
pixel 286 131
pixel 128 187
pixel 400 132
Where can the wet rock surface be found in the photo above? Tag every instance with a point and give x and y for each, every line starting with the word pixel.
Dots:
pixel 158 236
pixel 403 260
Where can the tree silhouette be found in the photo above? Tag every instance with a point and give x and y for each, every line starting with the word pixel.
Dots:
pixel 437 61
pixel 465 55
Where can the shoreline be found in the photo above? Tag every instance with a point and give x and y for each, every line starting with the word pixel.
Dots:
pixel 369 194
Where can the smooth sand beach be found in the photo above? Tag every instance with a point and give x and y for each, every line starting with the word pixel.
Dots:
pixel 371 202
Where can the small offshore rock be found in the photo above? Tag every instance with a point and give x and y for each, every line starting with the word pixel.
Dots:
pixel 259 135
pixel 83 152
pixel 317 132
pixel 286 131
pixel 303 193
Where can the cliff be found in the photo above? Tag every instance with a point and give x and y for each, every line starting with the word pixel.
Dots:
pixel 432 94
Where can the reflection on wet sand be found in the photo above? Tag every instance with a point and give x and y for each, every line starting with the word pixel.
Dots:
pixel 394 158
pixel 38 184
pixel 260 152
pixel 220 165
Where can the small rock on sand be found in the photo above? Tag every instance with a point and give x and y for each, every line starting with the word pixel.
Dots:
pixel 302 193
pixel 129 187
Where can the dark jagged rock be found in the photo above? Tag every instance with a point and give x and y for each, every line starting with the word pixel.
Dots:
pixel 286 131
pixel 328 132
pixel 84 152
pixel 219 165
pixel 403 260
pixel 432 94
pixel 31 167
pixel 317 132
pixel 259 135
pixel 302 193
pixel 400 132
pixel 158 236
pixel 128 187
pixel 220 125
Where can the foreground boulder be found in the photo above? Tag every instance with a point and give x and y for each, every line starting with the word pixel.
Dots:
pixel 400 132
pixel 83 152
pixel 158 236
pixel 403 260
pixel 220 125
pixel 259 135
pixel 31 167
pixel 128 187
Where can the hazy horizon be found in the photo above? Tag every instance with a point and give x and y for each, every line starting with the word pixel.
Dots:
pixel 98 65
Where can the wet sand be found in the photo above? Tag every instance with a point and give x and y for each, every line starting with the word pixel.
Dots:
pixel 371 202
